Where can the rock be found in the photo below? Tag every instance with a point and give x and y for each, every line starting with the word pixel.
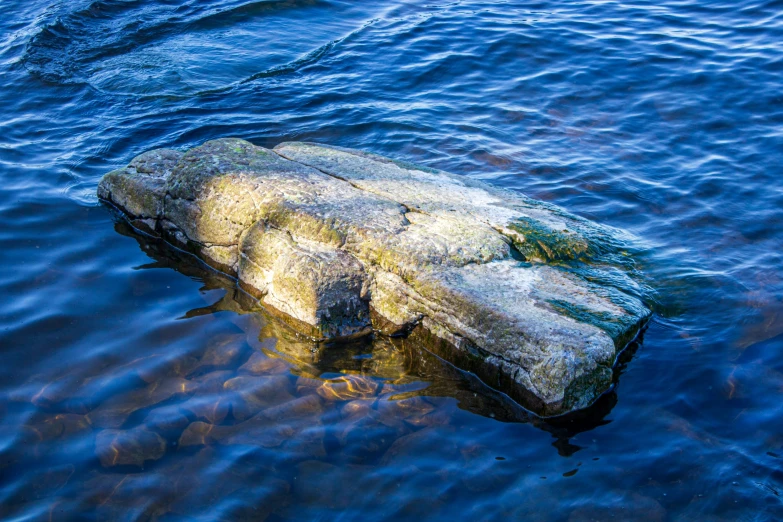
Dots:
pixel 209 401
pixel 116 496
pixel 358 408
pixel 201 434
pixel 113 413
pixel 128 447
pixel 348 387
pixel 307 444
pixel 309 405
pixel 223 351
pixel 166 419
pixel 63 393
pixel 45 436
pixel 363 432
pixel 211 408
pixel 404 408
pixel 414 411
pixel 211 382
pixel 251 394
pixel 47 482
pixel 306 384
pixel 387 362
pixel 437 443
pixel 436 418
pixel 368 437
pixel 313 283
pixel 257 431
pixel 535 301
pixel 260 364
pixel 152 368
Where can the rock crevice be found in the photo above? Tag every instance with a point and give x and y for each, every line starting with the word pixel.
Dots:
pixel 336 241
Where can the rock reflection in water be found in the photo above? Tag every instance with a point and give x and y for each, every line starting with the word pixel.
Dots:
pixel 256 420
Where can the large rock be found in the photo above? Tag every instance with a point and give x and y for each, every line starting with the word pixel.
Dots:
pixel 534 300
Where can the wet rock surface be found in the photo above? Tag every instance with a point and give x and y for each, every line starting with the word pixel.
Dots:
pixel 535 301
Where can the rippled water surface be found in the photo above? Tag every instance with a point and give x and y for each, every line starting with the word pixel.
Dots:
pixel 137 385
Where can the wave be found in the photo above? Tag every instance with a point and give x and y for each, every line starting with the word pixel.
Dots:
pixel 63 50
pixel 310 58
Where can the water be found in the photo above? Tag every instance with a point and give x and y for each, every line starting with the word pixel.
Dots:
pixel 664 119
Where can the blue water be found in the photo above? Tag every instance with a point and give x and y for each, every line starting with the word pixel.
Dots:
pixel 664 119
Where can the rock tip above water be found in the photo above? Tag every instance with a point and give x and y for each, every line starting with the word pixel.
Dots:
pixel 534 300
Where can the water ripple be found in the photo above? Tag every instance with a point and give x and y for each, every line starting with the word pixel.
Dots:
pixel 136 384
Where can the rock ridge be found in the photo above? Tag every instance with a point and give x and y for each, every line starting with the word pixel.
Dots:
pixel 337 242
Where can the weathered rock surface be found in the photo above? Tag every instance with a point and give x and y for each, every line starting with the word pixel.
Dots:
pixel 534 300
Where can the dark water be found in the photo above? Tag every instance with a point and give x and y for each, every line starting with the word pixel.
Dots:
pixel 139 386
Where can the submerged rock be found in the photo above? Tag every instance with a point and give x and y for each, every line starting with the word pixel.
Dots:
pixel 260 364
pixel 128 447
pixel 348 387
pixel 537 302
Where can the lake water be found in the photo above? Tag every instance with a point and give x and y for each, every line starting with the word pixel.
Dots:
pixel 130 375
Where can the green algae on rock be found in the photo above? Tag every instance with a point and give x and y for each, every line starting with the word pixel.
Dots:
pixel 337 242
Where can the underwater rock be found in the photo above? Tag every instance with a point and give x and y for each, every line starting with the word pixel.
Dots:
pixel 536 301
pixel 128 447
pixel 251 394
pixel 223 351
pixel 113 413
pixel 166 419
pixel 299 407
pixel 260 364
pixel 209 401
pixel 348 387
pixel 414 411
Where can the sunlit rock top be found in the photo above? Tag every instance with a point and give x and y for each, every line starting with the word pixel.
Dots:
pixel 336 242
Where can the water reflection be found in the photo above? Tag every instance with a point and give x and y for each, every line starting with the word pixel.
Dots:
pixel 387 368
pixel 229 407
pixel 259 395
pixel 268 418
